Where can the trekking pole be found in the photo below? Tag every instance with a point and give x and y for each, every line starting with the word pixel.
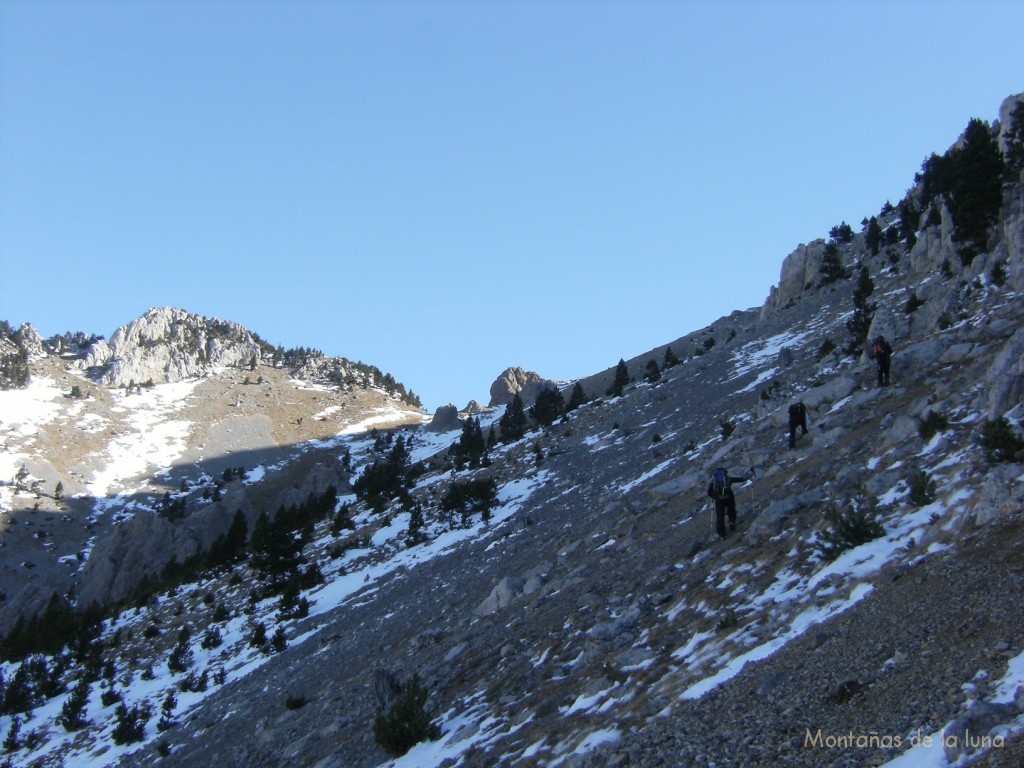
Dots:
pixel 753 476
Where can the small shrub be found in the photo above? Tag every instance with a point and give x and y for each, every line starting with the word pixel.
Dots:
pixel 278 642
pixel 850 528
pixel 945 321
pixel 999 274
pixel 1000 442
pixel 109 697
pixel 931 424
pixel 727 428
pixel 258 638
pixel 913 304
pixel 922 488
pixel 295 702
pixel 728 620
pixel 131 724
pixel 827 348
pixel 407 722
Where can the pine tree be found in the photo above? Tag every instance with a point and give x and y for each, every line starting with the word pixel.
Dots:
pixel 471 446
pixel 131 724
pixel 278 642
pixel 577 397
pixel 873 236
pixel 407 722
pixel 12 743
pixel 549 406
pixel 72 713
pixel 863 311
pixel 621 379
pixel 181 656
pixel 513 421
pixel 832 268
pixel 414 534
pixel 167 711
pixel 670 360
pixel 652 373
pixel 976 192
pixel 841 233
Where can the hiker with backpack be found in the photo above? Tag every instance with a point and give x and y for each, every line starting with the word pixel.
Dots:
pixel 881 353
pixel 797 420
pixel 720 489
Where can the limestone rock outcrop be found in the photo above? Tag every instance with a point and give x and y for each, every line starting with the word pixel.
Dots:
pixel 168 344
pixel 516 380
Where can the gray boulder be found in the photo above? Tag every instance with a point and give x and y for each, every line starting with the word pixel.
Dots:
pixel 446 419
pixel 504 592
pixel 1005 377
pixel 773 520
pixel 967 732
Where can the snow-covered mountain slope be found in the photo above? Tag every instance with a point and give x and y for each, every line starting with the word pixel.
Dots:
pixel 865 611
pixel 90 457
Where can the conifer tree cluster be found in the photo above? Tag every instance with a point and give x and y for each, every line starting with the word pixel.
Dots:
pixel 468 496
pixel 969 177
pixel 388 478
pixel 471 448
pixel 276 545
pixel 548 407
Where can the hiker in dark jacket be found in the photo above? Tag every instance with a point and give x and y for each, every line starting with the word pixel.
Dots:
pixel 720 489
pixel 882 354
pixel 797 420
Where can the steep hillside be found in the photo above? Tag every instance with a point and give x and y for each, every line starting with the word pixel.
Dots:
pixel 864 612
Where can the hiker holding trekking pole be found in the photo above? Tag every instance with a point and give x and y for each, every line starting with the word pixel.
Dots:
pixel 720 489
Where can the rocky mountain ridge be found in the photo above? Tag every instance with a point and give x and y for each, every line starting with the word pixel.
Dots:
pixel 171 403
pixel 591 617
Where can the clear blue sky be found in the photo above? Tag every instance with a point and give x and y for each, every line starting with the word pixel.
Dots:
pixel 446 189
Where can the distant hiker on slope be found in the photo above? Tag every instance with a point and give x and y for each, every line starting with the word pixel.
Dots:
pixel 797 420
pixel 881 353
pixel 720 489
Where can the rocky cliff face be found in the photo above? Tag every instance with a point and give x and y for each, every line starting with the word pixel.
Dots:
pixel 168 345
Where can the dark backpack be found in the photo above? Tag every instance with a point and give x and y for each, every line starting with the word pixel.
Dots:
pixel 720 482
pixel 797 411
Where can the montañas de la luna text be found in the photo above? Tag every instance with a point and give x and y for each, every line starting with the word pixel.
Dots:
pixel 876 740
